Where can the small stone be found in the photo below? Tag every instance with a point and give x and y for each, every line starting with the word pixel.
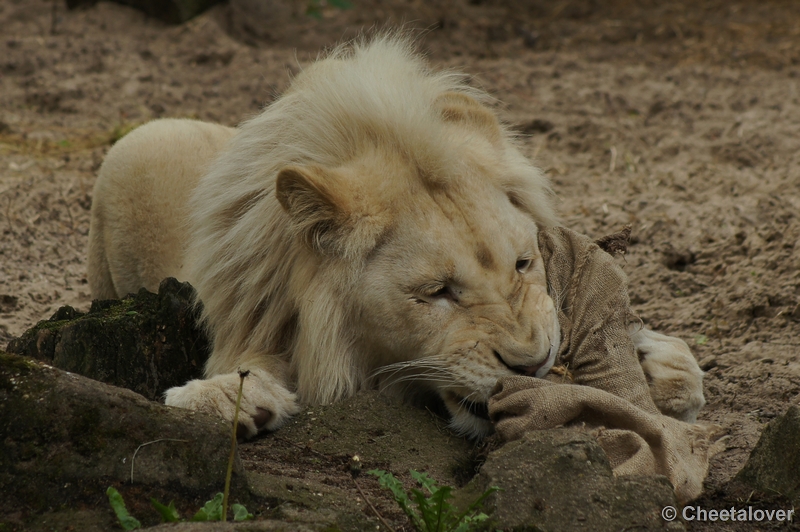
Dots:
pixel 355 465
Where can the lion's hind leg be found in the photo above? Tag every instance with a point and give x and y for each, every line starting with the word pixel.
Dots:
pixel 266 403
pixel 674 377
pixel 101 283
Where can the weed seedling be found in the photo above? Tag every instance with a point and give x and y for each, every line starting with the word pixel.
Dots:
pixel 126 520
pixel 435 513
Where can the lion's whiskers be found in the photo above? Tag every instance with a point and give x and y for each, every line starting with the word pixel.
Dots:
pixel 429 369
pixel 468 399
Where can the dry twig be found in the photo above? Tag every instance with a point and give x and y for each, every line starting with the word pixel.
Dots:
pixel 374 510
pixel 133 460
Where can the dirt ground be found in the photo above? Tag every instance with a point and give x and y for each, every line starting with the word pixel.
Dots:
pixel 680 118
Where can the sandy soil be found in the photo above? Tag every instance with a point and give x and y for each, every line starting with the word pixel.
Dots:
pixel 681 119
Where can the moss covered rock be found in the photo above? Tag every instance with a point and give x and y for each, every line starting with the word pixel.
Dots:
pixel 65 438
pixel 145 342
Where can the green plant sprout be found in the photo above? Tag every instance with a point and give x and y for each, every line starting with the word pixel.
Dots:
pixel 211 511
pixel 435 514
pixel 126 520
pixel 215 509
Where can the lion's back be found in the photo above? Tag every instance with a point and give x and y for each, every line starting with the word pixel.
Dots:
pixel 139 204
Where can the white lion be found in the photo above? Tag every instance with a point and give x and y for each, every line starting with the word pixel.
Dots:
pixel 374 224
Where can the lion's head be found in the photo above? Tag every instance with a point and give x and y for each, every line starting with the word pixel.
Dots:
pixel 377 222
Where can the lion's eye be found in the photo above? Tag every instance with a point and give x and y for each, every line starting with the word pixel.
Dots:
pixel 523 265
pixel 442 292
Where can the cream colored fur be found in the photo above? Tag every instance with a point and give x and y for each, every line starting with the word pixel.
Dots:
pixel 675 379
pixel 376 225
pixel 139 204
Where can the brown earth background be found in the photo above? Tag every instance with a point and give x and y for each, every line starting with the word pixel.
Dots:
pixel 680 118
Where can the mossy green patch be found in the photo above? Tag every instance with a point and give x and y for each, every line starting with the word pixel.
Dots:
pixel 145 342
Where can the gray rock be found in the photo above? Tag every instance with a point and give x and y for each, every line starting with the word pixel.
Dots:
pixel 774 463
pixel 64 438
pixel 560 479
pixel 145 342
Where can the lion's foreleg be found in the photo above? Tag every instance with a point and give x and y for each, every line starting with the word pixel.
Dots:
pixel 674 377
pixel 266 402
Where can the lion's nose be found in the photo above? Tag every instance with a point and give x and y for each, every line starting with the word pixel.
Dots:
pixel 529 370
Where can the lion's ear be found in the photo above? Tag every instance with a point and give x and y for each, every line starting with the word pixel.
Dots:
pixel 461 108
pixel 307 194
pixel 322 206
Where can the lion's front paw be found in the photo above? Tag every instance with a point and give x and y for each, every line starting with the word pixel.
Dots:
pixel 675 379
pixel 266 404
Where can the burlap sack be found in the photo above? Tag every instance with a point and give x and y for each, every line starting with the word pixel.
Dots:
pixel 607 391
